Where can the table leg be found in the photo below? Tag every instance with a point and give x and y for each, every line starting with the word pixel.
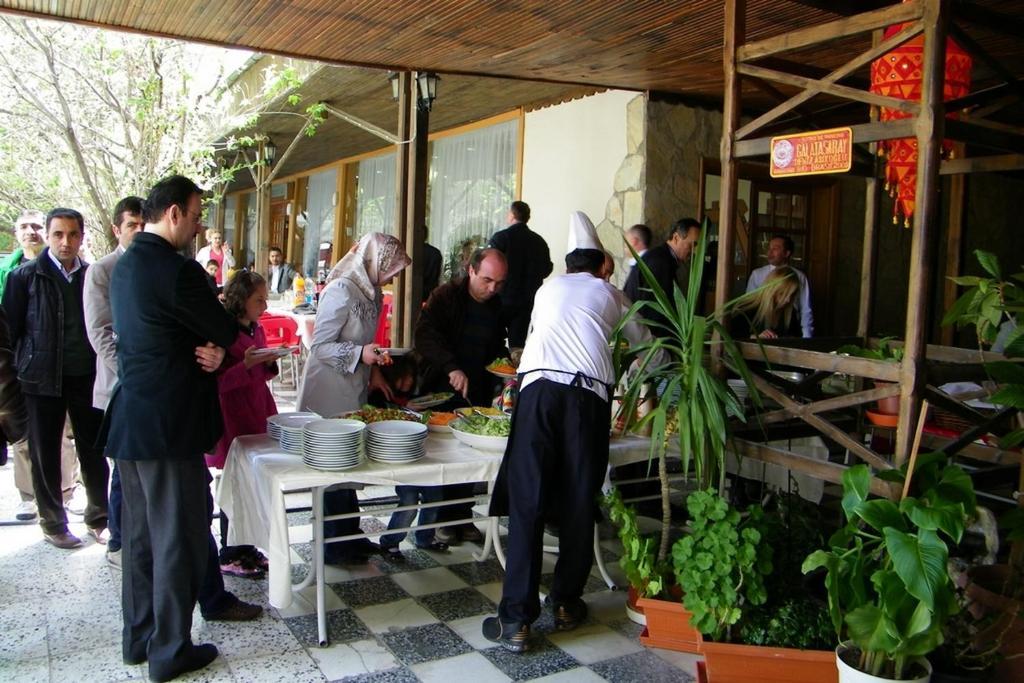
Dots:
pixel 318 565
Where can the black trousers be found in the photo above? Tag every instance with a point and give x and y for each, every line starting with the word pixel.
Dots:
pixel 554 467
pixel 46 416
pixel 165 546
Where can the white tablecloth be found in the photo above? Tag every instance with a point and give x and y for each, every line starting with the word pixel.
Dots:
pixel 258 474
pixel 303 320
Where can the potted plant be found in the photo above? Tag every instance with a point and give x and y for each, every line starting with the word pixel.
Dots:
pixel 886 351
pixel 692 406
pixel 990 305
pixel 724 566
pixel 889 591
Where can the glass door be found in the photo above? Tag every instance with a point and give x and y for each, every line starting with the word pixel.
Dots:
pixel 781 210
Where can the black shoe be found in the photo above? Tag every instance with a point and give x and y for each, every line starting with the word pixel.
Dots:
pixel 198 657
pixel 236 611
pixel 513 637
pixel 135 655
pixel 469 533
pixel 568 615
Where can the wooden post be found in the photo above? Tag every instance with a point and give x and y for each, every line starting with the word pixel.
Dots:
pixel 416 209
pixel 402 167
pixel 735 31
pixel 869 253
pixel 954 244
pixel 929 130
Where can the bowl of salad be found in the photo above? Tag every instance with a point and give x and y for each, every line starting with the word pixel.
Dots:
pixel 482 432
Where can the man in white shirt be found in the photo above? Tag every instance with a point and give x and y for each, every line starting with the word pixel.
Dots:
pixel 780 248
pixel 557 453
pixel 281 274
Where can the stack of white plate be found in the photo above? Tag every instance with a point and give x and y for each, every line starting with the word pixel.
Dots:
pixel 289 427
pixel 332 444
pixel 274 422
pixel 394 441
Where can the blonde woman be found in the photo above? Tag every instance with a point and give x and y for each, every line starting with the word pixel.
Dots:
pixel 769 312
pixel 217 250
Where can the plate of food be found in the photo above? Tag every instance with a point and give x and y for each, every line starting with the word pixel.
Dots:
pixel 482 432
pixel 502 367
pixel 369 414
pixel 489 411
pixel 430 400
pixel 440 422
pixel 282 351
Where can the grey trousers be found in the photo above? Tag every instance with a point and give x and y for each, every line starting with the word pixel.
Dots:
pixel 165 535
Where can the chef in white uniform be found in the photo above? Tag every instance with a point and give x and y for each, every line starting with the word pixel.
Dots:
pixel 557 453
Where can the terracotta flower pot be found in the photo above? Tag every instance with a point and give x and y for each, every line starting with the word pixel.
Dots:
pixel 668 626
pixel 887 406
pixel 735 663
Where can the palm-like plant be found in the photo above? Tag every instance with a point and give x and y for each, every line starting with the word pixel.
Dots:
pixel 693 404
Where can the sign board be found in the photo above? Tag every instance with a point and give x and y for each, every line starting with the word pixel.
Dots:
pixel 820 151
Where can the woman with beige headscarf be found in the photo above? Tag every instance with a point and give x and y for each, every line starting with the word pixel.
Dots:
pixel 344 362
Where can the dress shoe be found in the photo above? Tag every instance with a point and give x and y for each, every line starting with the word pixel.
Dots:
pixel 513 637
pixel 470 533
pixel 64 540
pixel 98 534
pixel 568 615
pixel 449 535
pixel 237 611
pixel 26 511
pixel 195 658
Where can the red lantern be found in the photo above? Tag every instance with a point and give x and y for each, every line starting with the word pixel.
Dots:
pixel 898 74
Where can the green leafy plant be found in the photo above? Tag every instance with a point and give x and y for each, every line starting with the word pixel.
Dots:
pixel 638 559
pixel 991 305
pixel 886 350
pixel 798 622
pixel 693 405
pixel 721 563
pixel 888 588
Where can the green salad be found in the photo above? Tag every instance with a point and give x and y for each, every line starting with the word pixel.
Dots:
pixel 483 426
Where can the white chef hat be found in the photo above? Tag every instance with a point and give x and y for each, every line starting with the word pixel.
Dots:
pixel 582 234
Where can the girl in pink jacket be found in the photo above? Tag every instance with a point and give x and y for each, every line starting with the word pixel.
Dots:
pixel 245 399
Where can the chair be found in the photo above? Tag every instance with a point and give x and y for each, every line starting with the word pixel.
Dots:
pixel 282 331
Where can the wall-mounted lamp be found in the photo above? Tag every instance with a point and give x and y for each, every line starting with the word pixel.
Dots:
pixel 393 78
pixel 426 82
pixel 269 152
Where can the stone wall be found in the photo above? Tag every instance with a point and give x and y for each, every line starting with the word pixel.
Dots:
pixel 678 136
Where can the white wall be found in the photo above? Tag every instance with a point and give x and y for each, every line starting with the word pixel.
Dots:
pixel 570 155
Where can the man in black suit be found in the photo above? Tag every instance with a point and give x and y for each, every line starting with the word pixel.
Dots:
pixel 529 262
pixel 163 415
pixel 664 260
pixel 433 263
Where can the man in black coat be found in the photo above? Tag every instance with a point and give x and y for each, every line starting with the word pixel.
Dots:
pixel 529 262
pixel 163 415
pixel 57 368
pixel 664 260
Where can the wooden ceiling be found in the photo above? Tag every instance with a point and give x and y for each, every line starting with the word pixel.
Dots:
pixel 642 44
pixel 366 94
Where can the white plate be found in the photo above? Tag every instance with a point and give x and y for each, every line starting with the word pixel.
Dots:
pixel 292 419
pixel 396 351
pixel 395 428
pixel 337 427
pixel 491 444
pixel 430 400
pixel 439 429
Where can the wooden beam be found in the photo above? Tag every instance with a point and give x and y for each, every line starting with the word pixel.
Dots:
pixel 851 66
pixel 861 23
pixel 995 95
pixel 862 133
pixel 974 451
pixel 822 425
pixel 402 323
pixel 843 7
pixel 954 245
pixel 735 34
pixel 987 164
pixel 820 469
pixel 869 250
pixel 1005 138
pixel 929 130
pixel 818 360
pixel 836 403
pixel 843 91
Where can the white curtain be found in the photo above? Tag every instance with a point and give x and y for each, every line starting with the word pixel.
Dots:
pixel 375 195
pixel 472 183
pixel 319 217
pixel 248 255
pixel 230 213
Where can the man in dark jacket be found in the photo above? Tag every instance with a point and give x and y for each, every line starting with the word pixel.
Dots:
pixel 13 418
pixel 664 260
pixel 57 368
pixel 529 262
pixel 163 415
pixel 458 334
pixel 433 264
